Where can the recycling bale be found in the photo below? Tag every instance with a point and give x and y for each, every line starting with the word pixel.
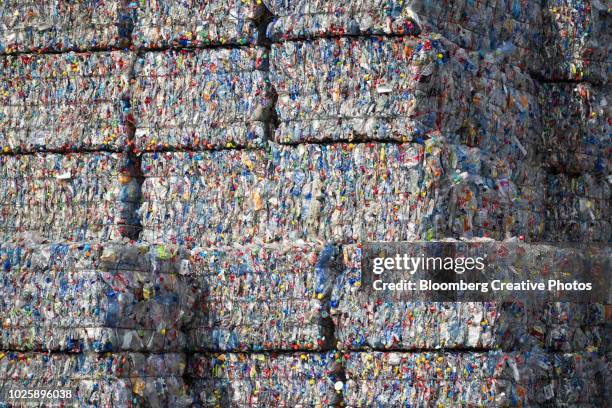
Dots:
pixel 76 196
pixel 203 198
pixel 401 89
pixel 350 192
pixel 576 128
pixel 88 379
pixel 576 40
pixel 73 297
pixel 263 297
pixel 265 379
pixel 506 29
pixel 59 26
pixel 65 102
pixel 167 23
pixel 481 378
pixel 366 319
pixel 201 99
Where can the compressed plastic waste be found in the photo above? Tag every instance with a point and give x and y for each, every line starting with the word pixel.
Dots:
pixel 65 102
pixel 344 192
pixel 78 196
pixel 385 191
pixel 206 199
pixel 372 88
pixel 164 23
pixel 263 297
pixel 93 296
pixel 380 379
pixel 364 320
pixel 576 127
pixel 468 193
pixel 201 99
pixel 506 27
pixel 563 205
pixel 577 40
pixel 92 379
pixel 53 26
pixel 401 89
pixel 578 231
pixel 266 380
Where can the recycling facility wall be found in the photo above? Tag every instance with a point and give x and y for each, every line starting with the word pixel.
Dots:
pixel 187 184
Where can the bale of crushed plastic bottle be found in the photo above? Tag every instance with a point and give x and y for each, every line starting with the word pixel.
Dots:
pixel 93 296
pixel 510 29
pixel 576 40
pixel 265 380
pixel 77 196
pixel 93 379
pixel 387 191
pixel 489 379
pixel 65 102
pixel 43 26
pixel 263 297
pixel 204 198
pixel 201 99
pixel 400 89
pixel 174 23
pixel 576 128
pixel 394 320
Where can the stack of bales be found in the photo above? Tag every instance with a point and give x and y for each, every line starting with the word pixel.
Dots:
pixel 202 124
pixel 253 171
pixel 449 133
pixel 65 120
pixel 121 307
pixel 576 124
pixel 90 321
pixel 416 120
